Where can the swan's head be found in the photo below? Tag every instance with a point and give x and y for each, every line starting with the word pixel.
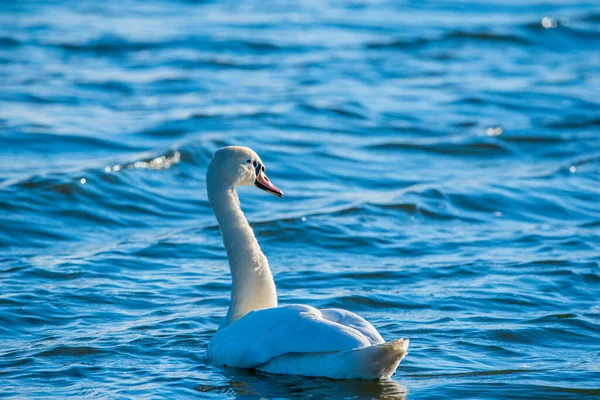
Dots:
pixel 240 166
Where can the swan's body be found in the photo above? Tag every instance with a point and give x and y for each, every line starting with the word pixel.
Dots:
pixel 293 339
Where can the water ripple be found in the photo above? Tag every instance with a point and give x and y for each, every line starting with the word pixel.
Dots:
pixel 441 169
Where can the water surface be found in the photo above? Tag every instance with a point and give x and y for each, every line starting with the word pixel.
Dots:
pixel 440 164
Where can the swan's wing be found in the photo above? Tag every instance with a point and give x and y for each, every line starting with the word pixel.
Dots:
pixel 262 335
pixel 353 321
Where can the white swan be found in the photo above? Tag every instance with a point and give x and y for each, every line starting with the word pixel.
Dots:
pixel 292 339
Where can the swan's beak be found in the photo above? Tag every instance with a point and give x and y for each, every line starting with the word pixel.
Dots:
pixel 262 182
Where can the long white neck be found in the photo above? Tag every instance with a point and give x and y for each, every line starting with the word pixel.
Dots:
pixel 252 283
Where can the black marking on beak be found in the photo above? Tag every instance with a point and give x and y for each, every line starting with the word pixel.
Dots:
pixel 257 167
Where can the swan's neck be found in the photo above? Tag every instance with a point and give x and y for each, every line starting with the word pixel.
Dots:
pixel 252 283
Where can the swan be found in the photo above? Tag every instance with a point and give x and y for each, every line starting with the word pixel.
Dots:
pixel 291 339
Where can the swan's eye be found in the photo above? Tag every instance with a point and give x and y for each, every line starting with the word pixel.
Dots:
pixel 263 168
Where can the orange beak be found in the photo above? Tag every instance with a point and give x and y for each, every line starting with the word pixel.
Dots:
pixel 263 182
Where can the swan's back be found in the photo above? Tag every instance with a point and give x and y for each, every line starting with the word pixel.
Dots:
pixel 299 339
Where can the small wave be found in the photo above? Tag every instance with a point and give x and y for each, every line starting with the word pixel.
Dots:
pixel 9 41
pixel 70 351
pixel 573 390
pixel 156 163
pixel 533 139
pixel 340 111
pixel 476 373
pixel 591 17
pixel 464 148
pixel 591 224
pixel 553 318
pixel 67 144
pixel 109 44
pixel 570 167
pixel 488 37
pixel 578 27
pixel 228 112
pixel 573 122
pixel 457 35
pixel 359 302
pixel 398 43
pixel 107 86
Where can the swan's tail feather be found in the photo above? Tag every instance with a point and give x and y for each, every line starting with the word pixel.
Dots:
pixel 380 361
pixel 372 362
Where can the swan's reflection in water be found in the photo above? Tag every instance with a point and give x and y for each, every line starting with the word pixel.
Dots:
pixel 251 384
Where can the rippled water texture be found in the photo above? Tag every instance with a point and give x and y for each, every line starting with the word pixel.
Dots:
pixel 441 164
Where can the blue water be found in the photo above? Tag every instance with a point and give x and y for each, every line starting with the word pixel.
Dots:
pixel 441 169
